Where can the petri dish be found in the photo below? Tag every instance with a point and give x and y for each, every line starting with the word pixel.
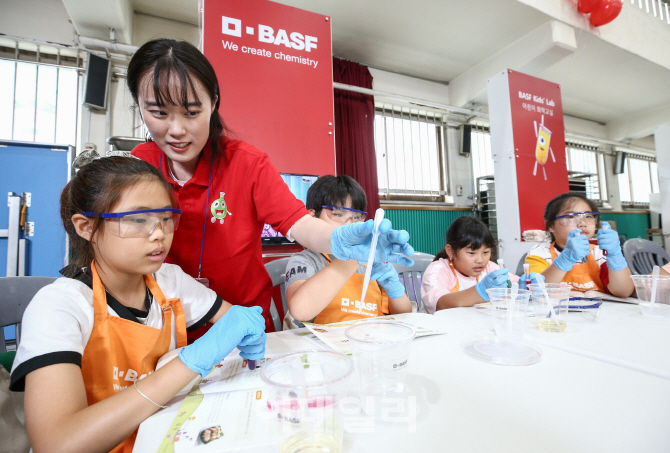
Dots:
pixel 501 351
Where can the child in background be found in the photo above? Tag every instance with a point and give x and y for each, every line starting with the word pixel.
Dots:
pixel 90 342
pixel 462 272
pixel 323 289
pixel 572 219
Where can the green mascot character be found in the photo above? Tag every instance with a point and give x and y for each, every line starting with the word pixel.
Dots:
pixel 220 209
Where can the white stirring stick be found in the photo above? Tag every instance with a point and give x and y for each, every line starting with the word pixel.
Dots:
pixel 513 305
pixel 654 282
pixel 552 313
pixel 379 216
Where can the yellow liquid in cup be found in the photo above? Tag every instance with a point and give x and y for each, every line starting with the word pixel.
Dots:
pixel 549 325
pixel 317 443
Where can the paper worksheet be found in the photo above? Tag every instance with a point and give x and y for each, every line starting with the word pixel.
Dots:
pixel 227 410
pixel 333 334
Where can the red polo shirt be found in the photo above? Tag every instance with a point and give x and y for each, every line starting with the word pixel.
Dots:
pixel 254 194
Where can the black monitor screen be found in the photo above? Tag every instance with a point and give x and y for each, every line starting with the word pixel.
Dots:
pixel 298 185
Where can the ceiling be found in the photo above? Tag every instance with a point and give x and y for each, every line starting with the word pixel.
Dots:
pixel 440 40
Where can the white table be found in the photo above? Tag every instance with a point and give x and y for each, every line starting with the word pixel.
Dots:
pixel 566 402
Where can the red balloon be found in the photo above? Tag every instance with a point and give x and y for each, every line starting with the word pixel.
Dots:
pixel 588 6
pixel 606 13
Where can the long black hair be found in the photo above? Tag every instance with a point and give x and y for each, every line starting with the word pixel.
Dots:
pixel 162 58
pixel 464 232
pixel 98 187
pixel 564 200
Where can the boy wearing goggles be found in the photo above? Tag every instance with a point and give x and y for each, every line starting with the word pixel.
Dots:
pixel 323 289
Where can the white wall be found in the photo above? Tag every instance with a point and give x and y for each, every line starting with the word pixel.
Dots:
pixel 44 20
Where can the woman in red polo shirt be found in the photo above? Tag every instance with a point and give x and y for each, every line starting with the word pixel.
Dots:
pixel 226 188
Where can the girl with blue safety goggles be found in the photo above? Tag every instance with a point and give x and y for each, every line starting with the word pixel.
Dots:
pixel 140 223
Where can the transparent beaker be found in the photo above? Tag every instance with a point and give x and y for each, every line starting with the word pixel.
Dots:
pixel 550 304
pixel 381 350
pixel 305 391
pixel 508 312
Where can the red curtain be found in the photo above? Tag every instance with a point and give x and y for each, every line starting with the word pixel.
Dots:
pixel 354 130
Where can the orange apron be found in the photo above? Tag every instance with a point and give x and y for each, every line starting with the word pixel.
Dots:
pixel 583 277
pixel 120 351
pixel 456 288
pixel 345 305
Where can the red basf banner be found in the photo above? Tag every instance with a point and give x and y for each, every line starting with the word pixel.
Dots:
pixel 274 65
pixel 539 142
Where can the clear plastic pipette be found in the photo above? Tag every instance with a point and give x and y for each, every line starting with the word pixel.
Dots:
pixel 379 216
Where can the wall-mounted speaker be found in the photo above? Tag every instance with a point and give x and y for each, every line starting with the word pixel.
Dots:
pixel 619 163
pixel 97 82
pixel 466 134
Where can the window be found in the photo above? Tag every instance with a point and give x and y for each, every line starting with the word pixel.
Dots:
pixel 586 168
pixel 39 101
pixel 480 151
pixel 639 179
pixel 410 156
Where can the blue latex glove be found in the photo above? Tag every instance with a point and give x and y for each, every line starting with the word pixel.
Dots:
pixel 495 279
pixel 387 277
pixel 353 241
pixel 242 327
pixel 576 248
pixel 534 277
pixel 608 240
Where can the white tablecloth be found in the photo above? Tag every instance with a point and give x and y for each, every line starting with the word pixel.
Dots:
pixel 566 402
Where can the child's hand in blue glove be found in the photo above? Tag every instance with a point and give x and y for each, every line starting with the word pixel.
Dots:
pixel 353 242
pixel 494 279
pixel 242 327
pixel 576 248
pixel 387 277
pixel 534 277
pixel 608 240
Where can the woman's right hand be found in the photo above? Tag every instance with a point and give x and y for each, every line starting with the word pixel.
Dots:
pixel 576 248
pixel 241 327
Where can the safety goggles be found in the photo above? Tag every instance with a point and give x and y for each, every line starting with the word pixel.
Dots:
pixel 589 308
pixel 576 218
pixel 141 223
pixel 343 215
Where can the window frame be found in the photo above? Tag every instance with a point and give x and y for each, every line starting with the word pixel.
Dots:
pixel 42 56
pixel 653 182
pixel 439 196
pixel 600 176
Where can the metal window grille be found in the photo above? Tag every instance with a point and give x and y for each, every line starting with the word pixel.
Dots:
pixel 639 179
pixel 39 96
pixel 659 8
pixel 481 155
pixel 586 164
pixel 411 156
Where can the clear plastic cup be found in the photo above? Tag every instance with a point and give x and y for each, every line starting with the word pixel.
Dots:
pixel 661 305
pixel 551 305
pixel 306 388
pixel 508 313
pixel 381 351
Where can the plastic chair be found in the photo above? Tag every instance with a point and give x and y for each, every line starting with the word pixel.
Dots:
pixel 15 295
pixel 277 271
pixel 642 255
pixel 519 267
pixel 411 277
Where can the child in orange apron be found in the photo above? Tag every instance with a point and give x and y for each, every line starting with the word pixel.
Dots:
pixel 572 219
pixel 463 271
pixel 90 342
pixel 326 290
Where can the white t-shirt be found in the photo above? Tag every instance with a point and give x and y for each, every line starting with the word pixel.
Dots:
pixel 58 321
